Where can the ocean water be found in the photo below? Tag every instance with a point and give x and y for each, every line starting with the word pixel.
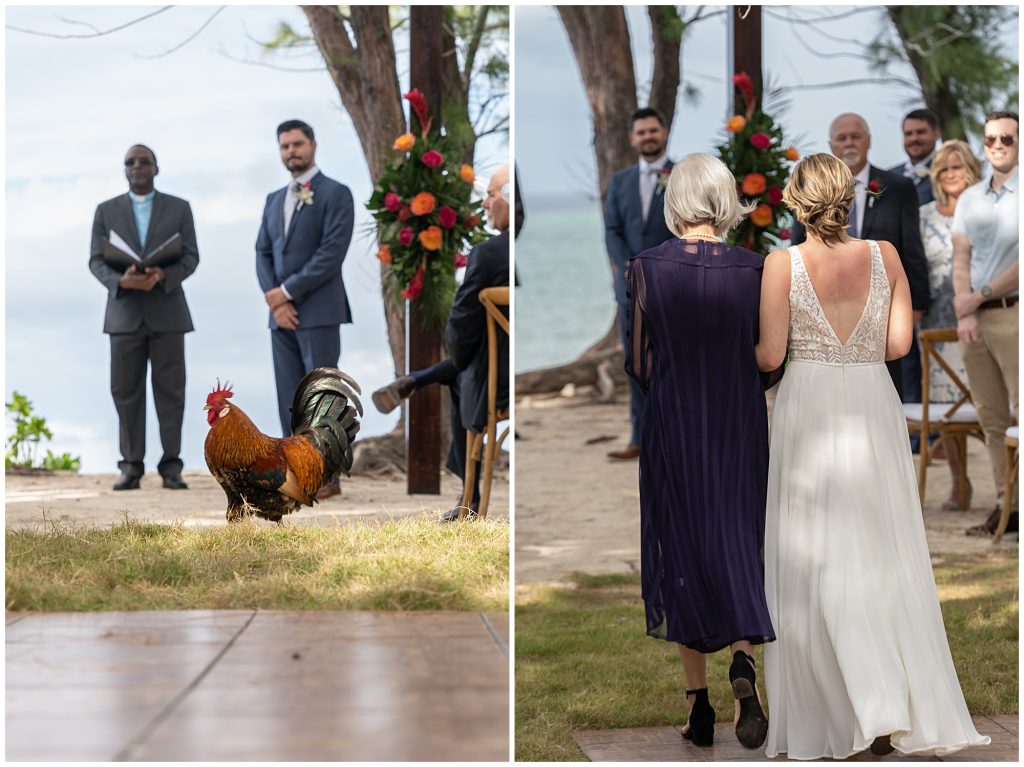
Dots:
pixel 565 301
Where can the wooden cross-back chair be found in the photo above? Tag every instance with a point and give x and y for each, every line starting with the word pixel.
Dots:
pixel 957 419
pixel 492 299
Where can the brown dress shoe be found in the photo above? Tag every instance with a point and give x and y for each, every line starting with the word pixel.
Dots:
pixel 329 490
pixel 387 398
pixel 632 452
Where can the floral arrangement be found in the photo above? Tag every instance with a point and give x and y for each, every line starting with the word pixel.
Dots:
pixel 426 216
pixel 757 154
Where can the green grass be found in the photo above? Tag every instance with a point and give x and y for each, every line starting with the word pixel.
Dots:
pixel 409 564
pixel 584 663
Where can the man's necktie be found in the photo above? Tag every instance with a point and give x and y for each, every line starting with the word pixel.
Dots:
pixel 648 176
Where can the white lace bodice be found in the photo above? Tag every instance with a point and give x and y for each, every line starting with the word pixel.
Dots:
pixel 811 337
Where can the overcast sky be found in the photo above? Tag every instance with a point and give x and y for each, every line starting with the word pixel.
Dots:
pixel 553 131
pixel 73 107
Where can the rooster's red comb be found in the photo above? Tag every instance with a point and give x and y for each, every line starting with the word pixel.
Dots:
pixel 222 391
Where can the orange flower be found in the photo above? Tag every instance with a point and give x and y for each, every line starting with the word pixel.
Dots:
pixel 384 254
pixel 404 142
pixel 430 238
pixel 754 184
pixel 423 203
pixel 736 124
pixel 467 174
pixel 762 215
pixel 792 154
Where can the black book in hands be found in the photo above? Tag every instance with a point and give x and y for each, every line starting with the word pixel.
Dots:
pixel 119 254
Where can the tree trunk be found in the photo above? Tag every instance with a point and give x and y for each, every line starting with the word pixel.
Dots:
pixel 364 72
pixel 667 33
pixel 938 96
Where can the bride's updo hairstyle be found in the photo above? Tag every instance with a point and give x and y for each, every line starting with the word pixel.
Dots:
pixel 820 193
pixel 701 190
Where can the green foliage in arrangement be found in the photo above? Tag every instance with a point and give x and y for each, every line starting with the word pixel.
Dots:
pixel 427 219
pixel 24 442
pixel 406 564
pixel 757 154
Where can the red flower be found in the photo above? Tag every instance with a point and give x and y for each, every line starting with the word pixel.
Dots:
pixel 873 187
pixel 745 85
pixel 761 140
pixel 405 236
pixel 392 201
pixel 432 158
pixel 774 195
pixel 460 260
pixel 415 286
pixel 471 222
pixel 447 217
pixel 785 234
pixel 307 185
pixel 419 105
pixel 404 212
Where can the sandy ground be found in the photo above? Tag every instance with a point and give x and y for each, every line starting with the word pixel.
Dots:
pixel 578 511
pixel 90 500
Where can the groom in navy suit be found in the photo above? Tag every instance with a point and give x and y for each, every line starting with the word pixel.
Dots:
pixel 303 239
pixel 634 220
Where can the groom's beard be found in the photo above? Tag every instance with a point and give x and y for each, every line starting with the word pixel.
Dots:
pixel 649 152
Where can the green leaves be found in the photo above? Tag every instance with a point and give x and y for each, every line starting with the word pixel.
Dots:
pixel 29 432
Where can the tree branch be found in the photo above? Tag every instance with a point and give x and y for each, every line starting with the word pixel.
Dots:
pixel 474 45
pixel 187 40
pixel 860 81
pixel 97 33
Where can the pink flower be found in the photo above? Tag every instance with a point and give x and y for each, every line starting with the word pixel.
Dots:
pixel 460 260
pixel 415 286
pixel 432 158
pixel 761 140
pixel 447 217
pixel 392 201
pixel 785 234
pixel 405 236
pixel 774 195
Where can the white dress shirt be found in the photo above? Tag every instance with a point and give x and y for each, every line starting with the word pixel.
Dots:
pixel 649 172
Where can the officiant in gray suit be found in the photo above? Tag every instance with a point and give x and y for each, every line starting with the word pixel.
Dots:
pixel 146 316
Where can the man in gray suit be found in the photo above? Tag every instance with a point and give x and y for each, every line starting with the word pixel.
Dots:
pixel 634 220
pixel 303 239
pixel 147 315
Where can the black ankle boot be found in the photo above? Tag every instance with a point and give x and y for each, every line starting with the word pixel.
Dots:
pixel 752 727
pixel 702 719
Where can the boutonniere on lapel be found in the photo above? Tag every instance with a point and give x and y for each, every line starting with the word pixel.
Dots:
pixel 875 192
pixel 304 193
pixel 922 172
pixel 663 175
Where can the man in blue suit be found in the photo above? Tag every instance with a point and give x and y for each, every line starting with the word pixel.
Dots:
pixel 303 239
pixel 634 220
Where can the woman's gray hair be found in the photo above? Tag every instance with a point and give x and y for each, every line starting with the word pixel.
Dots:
pixel 702 190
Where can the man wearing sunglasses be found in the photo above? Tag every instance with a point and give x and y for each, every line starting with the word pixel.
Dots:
pixel 147 315
pixel 985 255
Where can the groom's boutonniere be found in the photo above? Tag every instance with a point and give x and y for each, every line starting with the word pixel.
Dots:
pixel 922 172
pixel 663 175
pixel 875 191
pixel 304 194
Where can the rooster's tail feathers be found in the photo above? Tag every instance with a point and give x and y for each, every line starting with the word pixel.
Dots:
pixel 327 410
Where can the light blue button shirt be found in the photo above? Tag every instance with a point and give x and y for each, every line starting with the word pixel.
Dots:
pixel 991 221
pixel 142 206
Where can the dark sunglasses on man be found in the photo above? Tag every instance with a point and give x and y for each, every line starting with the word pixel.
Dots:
pixel 144 161
pixel 1006 140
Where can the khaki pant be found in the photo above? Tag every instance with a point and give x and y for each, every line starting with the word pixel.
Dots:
pixel 992 373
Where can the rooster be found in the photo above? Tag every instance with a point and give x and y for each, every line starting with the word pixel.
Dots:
pixel 271 477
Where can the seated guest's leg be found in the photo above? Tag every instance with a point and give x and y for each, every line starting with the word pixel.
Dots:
pixel 387 398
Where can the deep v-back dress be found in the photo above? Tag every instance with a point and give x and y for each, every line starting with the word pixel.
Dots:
pixel 861 648
pixel 693 324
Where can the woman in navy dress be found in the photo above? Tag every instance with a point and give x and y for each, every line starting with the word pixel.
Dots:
pixel 693 325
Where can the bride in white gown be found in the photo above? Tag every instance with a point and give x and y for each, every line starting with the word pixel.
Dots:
pixel 861 652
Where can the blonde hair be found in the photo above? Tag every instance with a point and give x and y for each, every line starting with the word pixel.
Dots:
pixel 702 190
pixel 941 161
pixel 820 193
